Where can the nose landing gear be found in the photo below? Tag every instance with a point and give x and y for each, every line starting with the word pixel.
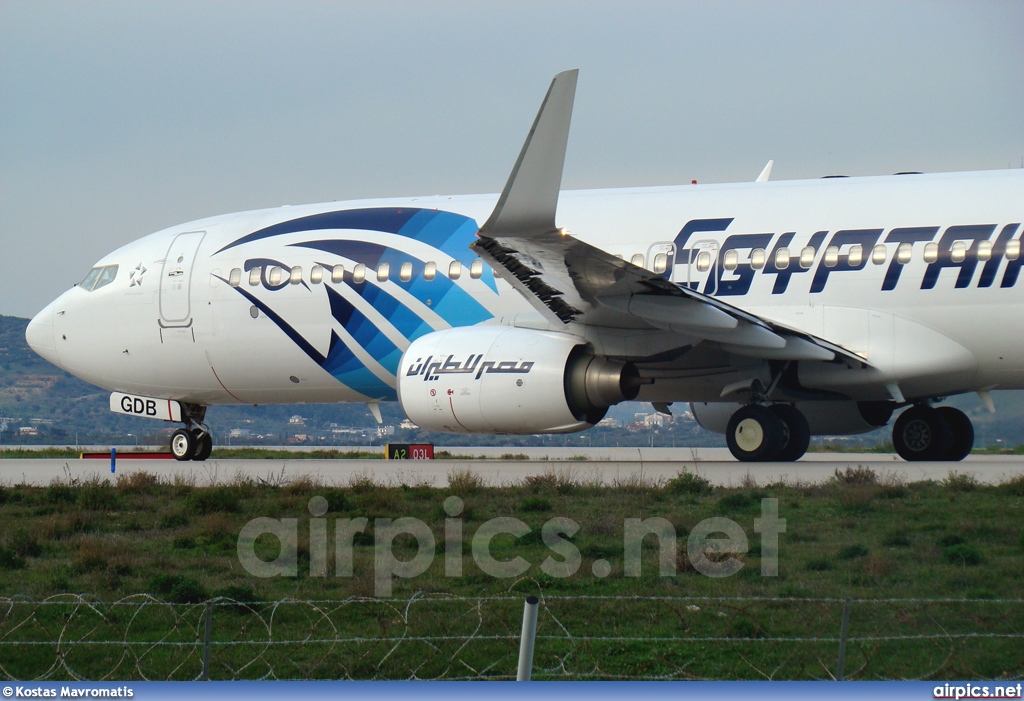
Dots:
pixel 194 442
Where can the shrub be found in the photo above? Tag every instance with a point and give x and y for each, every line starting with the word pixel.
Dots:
pixel 25 544
pixel 97 495
pixel 462 480
pixel 10 561
pixel 60 493
pixel 960 482
pixel 1014 487
pixel 818 564
pixel 214 500
pixel 535 504
pixel 140 482
pixel 966 555
pixel 856 475
pixel 688 483
pixel 852 551
pixel 856 498
pixel 896 539
pixel 738 501
pixel 171 519
pixel 177 588
pixel 951 539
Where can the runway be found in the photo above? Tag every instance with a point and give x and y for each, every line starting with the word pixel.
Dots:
pixel 608 466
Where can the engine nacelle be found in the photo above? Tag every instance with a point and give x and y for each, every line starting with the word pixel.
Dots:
pixel 825 418
pixel 496 379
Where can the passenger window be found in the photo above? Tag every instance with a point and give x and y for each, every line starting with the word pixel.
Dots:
pixel 274 276
pixel 831 257
pixel 338 274
pixel 637 260
pixel 758 258
pixel 878 254
pixel 455 270
pixel 296 276
pixel 931 252
pixel 254 275
pixel 383 272
pixel 782 259
pixel 90 279
pixel 405 272
pixel 235 277
pixel 984 250
pixel 807 257
pixel 904 252
pixel 660 262
pixel 316 274
pixel 1013 249
pixel 958 251
pixel 856 255
pixel 359 273
pixel 703 261
pixel 429 270
pixel 730 260
pixel 476 269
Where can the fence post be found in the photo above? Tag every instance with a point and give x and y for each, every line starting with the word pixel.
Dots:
pixel 206 641
pixel 527 638
pixel 842 639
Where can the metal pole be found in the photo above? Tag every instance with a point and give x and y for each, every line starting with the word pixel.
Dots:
pixel 842 640
pixel 527 639
pixel 206 641
pixel 113 459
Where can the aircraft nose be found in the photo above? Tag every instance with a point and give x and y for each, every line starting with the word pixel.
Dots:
pixel 39 335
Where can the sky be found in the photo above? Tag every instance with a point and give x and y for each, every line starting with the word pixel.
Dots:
pixel 118 119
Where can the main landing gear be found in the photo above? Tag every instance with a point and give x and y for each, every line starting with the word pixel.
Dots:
pixel 194 442
pixel 758 433
pixel 924 432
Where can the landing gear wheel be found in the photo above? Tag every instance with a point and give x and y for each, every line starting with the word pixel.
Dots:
pixel 755 433
pixel 922 433
pixel 963 433
pixel 183 444
pixel 204 444
pixel 797 430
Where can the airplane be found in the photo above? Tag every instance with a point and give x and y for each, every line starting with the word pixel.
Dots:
pixel 778 310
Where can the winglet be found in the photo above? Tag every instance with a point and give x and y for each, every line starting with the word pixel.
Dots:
pixel 528 202
pixel 766 173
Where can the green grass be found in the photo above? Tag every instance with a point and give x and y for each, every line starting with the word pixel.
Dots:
pixel 143 541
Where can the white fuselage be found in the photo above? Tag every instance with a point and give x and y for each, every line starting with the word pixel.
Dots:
pixel 939 315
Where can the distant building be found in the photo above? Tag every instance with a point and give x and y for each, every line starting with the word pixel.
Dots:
pixel 239 433
pixel 297 421
pixel 28 431
pixel 408 425
pixel 655 420
pixel 384 431
pixel 609 422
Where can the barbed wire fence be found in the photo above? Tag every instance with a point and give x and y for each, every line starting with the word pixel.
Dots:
pixel 438 636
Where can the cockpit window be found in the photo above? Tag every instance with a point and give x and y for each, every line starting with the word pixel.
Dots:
pixel 98 277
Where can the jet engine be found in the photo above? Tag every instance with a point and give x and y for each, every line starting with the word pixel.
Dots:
pixel 509 380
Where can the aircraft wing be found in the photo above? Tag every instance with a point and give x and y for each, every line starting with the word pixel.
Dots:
pixel 570 281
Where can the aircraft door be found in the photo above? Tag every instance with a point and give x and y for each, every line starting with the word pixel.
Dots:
pixel 176 279
pixel 703 265
pixel 661 258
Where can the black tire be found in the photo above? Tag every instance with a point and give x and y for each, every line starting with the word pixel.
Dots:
pixel 798 432
pixel 922 433
pixel 962 430
pixel 755 434
pixel 204 444
pixel 183 444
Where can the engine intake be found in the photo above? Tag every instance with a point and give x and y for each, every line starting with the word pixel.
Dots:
pixel 509 380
